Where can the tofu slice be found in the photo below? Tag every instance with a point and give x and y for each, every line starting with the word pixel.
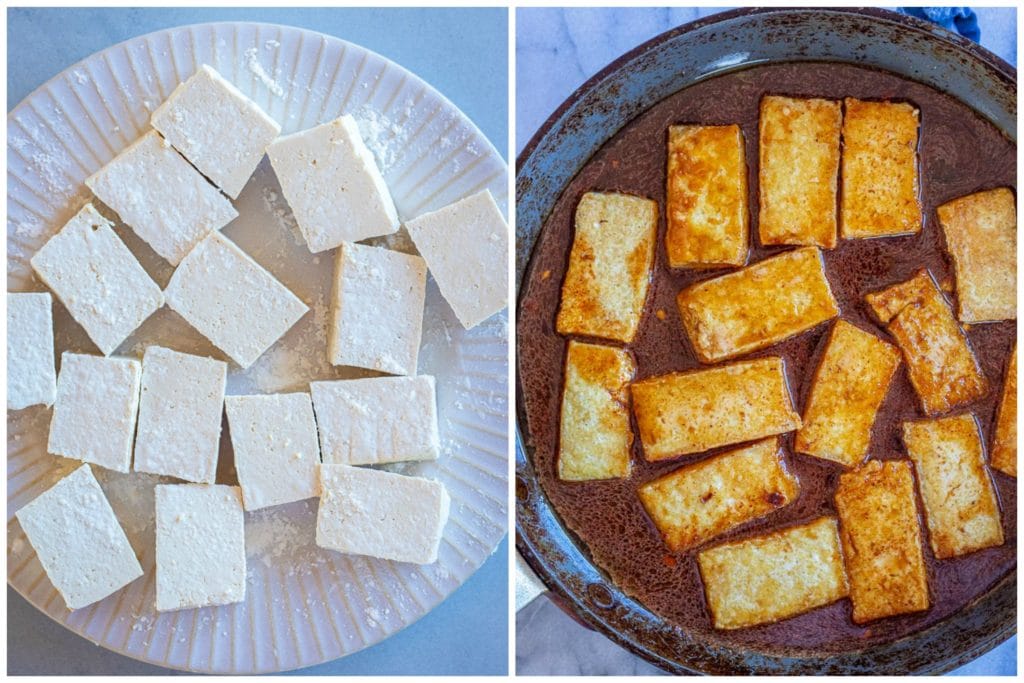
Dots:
pixel 698 502
pixel 769 578
pixel 849 386
pixel 881 540
pixel 706 197
pixel 609 266
pixel 691 412
pixel 1004 445
pixel 758 306
pixel 799 169
pixel 31 377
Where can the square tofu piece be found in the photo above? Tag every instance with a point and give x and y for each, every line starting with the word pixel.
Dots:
pixel 799 152
pixel 691 412
pixel 981 236
pixel 276 452
pixel 94 414
pixel 31 378
pixel 959 499
pixel 180 411
pixel 881 189
pixel 333 185
pixel 231 300
pixel 377 420
pixel 97 279
pixel 380 514
pixel 200 546
pixel 609 266
pixel 706 197
pixel 849 386
pixel 217 128
pixel 377 309
pixel 169 204
pixel 595 437
pixel 1004 445
pixel 769 578
pixel 697 502
pixel 881 540
pixel 465 245
pixel 760 305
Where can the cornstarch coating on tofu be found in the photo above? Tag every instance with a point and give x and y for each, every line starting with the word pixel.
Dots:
pixel 1004 444
pixel 31 377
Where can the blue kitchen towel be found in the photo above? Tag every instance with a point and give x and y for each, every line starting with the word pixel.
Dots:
pixel 962 20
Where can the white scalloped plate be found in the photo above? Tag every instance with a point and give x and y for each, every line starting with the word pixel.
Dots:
pixel 303 605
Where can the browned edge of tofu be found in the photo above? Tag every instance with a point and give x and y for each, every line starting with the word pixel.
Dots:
pixel 1004 443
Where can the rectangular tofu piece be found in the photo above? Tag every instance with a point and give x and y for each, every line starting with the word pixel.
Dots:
pixel 849 386
pixel 31 377
pixel 758 306
pixel 380 514
pixel 610 266
pixel 1004 444
pixel 96 277
pixel 769 578
pixel 799 170
pixel 698 502
pixel 691 412
pixel 881 540
pixel 706 197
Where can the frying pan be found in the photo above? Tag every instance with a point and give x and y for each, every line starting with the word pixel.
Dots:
pixel 582 124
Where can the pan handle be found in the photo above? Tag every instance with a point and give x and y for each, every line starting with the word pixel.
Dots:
pixel 528 586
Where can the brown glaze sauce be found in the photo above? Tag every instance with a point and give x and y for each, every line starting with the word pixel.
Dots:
pixel 960 153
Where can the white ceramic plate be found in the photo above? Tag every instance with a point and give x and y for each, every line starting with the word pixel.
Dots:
pixel 303 605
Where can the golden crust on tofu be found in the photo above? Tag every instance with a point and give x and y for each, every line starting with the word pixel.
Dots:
pixel 609 267
pixel 690 412
pixel 757 306
pixel 799 169
pixel 774 577
pixel 1004 445
pixel 595 435
pixel 706 197
pixel 959 499
pixel 880 176
pixel 881 540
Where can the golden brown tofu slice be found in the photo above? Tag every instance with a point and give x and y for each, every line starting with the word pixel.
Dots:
pixel 757 306
pixel 1004 445
pixel 774 577
pixel 595 435
pixel 849 386
pixel 691 412
pixel 609 267
pixel 881 540
pixel 881 189
pixel 706 197
pixel 799 153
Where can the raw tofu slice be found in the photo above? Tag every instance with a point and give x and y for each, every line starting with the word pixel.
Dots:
pixel 333 185
pixel 706 197
pixel 377 309
pixel 217 128
pixel 849 386
pixel 94 414
pixel 981 237
pixel 380 514
pixel 1004 445
pixel 881 540
pixel 180 411
pixel 97 279
pixel 595 435
pixel 169 204
pixel 231 300
pixel 31 377
pixel 609 266
pixel 959 500
pixel 200 546
pixel 697 502
pixel 799 154
pixel 691 412
pixel 760 305
pixel 769 578
pixel 465 245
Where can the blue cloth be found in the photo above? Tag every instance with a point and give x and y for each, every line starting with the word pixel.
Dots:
pixel 960 20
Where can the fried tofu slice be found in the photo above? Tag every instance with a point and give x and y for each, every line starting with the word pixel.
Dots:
pixel 1004 445
pixel 609 267
pixel 799 170
pixel 774 577
pixel 706 197
pixel 757 306
pixel 691 412
pixel 849 386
